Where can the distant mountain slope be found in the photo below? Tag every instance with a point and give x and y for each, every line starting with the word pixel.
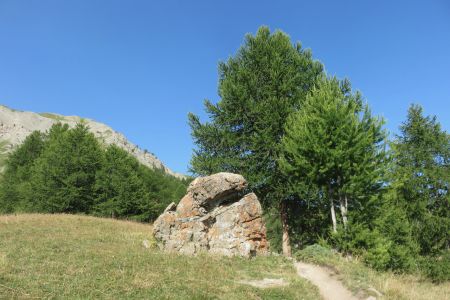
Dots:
pixel 16 125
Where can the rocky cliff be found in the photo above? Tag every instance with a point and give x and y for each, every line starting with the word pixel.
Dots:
pixel 15 126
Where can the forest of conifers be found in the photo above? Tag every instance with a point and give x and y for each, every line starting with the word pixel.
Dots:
pixel 69 171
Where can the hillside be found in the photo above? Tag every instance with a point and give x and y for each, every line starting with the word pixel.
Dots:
pixel 16 125
pixel 73 256
pixel 70 256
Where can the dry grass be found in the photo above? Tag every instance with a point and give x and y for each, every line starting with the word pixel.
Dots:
pixel 359 278
pixel 68 256
pixel 3 153
pixel 52 116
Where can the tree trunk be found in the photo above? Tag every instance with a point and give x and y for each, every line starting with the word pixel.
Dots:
pixel 286 244
pixel 333 213
pixel 343 207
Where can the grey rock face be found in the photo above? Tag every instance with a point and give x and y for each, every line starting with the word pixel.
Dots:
pixel 213 217
pixel 16 125
pixel 211 191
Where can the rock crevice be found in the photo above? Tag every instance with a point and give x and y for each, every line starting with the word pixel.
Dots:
pixel 213 217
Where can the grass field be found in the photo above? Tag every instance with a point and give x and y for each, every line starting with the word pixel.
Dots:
pixel 81 257
pixel 361 279
pixel 68 256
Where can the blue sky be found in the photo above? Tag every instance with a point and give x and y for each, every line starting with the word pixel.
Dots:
pixel 141 66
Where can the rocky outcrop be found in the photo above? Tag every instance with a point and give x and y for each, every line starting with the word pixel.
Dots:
pixel 16 125
pixel 214 217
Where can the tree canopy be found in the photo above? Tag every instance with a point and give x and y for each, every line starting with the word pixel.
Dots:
pixel 333 142
pixel 259 87
pixel 421 178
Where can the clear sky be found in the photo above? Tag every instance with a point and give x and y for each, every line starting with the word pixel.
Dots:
pixel 141 66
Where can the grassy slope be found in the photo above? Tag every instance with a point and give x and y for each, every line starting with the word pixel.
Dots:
pixel 3 154
pixel 68 256
pixel 52 116
pixel 359 278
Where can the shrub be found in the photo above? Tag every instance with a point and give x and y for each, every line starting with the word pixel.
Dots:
pixel 437 268
pixel 378 249
pixel 377 255
pixel 320 254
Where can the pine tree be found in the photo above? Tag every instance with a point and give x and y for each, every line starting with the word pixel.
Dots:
pixel 162 190
pixel 259 87
pixel 421 179
pixel 64 174
pixel 334 143
pixel 119 188
pixel 15 189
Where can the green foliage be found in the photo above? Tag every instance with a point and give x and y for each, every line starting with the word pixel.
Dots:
pixel 64 174
pixel 259 87
pixel 126 189
pixel 437 267
pixel 67 170
pixel 3 154
pixel 316 253
pixel 15 185
pixel 416 215
pixel 119 189
pixel 384 242
pixel 162 190
pixel 421 179
pixel 333 141
pixel 378 254
pixel 395 227
pixel 53 116
pixel 377 250
pixel 309 219
pixel 334 145
pixel 273 227
pixel 308 222
pixel 409 230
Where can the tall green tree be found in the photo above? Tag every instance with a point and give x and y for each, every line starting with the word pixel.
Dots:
pixel 259 87
pixel 421 179
pixel 119 189
pixel 64 174
pixel 334 143
pixel 16 190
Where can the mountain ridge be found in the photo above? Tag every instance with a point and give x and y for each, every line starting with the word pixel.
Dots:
pixel 16 125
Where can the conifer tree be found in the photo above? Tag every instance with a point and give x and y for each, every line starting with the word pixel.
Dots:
pixel 259 87
pixel 421 179
pixel 15 188
pixel 162 189
pixel 334 143
pixel 119 187
pixel 64 174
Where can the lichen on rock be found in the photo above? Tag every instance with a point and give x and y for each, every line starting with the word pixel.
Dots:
pixel 214 217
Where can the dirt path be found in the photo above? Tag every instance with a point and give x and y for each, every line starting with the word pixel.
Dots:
pixel 330 288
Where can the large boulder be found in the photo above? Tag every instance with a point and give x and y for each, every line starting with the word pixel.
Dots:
pixel 214 216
